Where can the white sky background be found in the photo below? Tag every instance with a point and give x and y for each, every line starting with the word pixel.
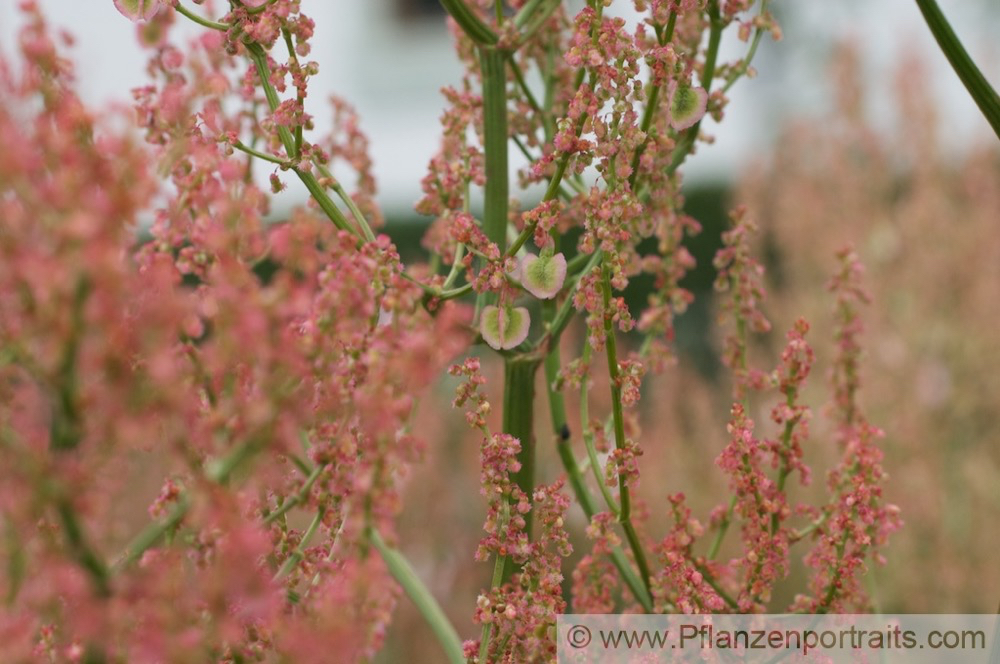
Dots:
pixel 392 73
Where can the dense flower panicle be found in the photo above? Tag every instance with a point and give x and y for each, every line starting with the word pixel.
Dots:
pixel 451 171
pixel 680 584
pixel 761 507
pixel 856 523
pixel 668 299
pixel 544 217
pixel 741 275
pixel 854 527
pixel 836 178
pixel 255 382
pixel 623 465
pixel 184 352
pixel 589 297
pixel 849 292
pixel 468 390
pixel 523 611
pixel 595 581
pixel 796 362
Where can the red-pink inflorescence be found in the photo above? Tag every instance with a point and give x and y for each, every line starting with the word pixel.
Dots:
pixel 256 383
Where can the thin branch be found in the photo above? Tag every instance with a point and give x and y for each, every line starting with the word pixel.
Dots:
pixel 982 92
pixel 624 499
pixel 421 597
pixel 204 22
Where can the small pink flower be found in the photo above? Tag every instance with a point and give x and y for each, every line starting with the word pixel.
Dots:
pixel 687 105
pixel 138 10
pixel 543 276
pixel 504 328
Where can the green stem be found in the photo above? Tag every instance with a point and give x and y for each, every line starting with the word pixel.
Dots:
pixel 720 591
pixel 259 58
pixel 421 597
pixel 152 534
pixel 342 194
pixel 744 65
pixel 204 22
pixel 518 420
pixel 663 37
pixel 300 98
pixel 525 13
pixel 611 346
pixel 17 561
pixel 471 24
pixel 218 471
pixel 807 530
pixel 456 267
pixel 575 474
pixel 972 78
pixel 492 62
pixel 563 193
pixel 325 203
pixel 65 434
pixel 66 427
pixel 624 499
pixel 497 189
pixel 300 551
pixel 499 573
pixel 714 39
pixel 239 145
pixel 536 21
pixel 634 583
pixel 298 498
pixel 588 438
pixel 720 534
pixel 557 412
pixel 523 84
pixel 786 446
pixel 81 550
pixel 454 292
pixel 555 183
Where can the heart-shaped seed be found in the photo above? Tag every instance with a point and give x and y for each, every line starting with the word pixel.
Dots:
pixel 504 328
pixel 543 276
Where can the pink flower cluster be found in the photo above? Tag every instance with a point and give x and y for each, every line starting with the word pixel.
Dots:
pixel 244 394
pixel 255 383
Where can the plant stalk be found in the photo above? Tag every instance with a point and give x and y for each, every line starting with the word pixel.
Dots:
pixel 624 498
pixel 518 420
pixel 421 597
pixel 982 92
